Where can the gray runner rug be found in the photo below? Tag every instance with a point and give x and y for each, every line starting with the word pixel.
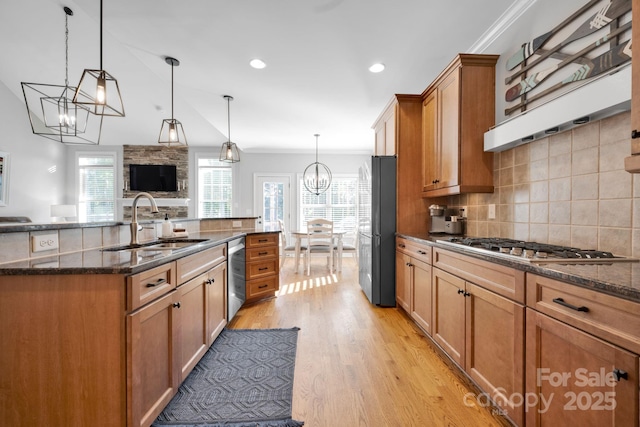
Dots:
pixel 244 380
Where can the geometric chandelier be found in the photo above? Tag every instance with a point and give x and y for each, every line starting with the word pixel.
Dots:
pixel 53 114
pixel 317 176
pixel 171 132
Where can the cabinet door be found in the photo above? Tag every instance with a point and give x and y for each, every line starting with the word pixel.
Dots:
pixel 495 348
pixel 430 152
pixel 153 358
pixel 574 371
pixel 216 302
pixel 421 294
pixel 448 327
pixel 449 119
pixel 403 281
pixel 194 338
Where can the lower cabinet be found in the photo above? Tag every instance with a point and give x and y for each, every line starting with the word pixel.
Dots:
pixel 168 336
pixel 262 266
pixel 574 378
pixel 413 281
pixel 481 330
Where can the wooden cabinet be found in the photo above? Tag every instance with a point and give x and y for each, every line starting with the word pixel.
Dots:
pixel 582 352
pixel 413 281
pixel 262 266
pixel 398 132
pixel 632 163
pixel 479 325
pixel 457 109
pixel 584 380
pixel 167 337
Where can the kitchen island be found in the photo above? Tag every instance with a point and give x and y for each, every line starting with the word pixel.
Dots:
pixel 510 326
pixel 104 337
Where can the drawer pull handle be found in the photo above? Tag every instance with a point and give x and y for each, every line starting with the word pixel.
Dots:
pixel 263 240
pixel 422 252
pixel 156 283
pixel 262 286
pixel 409 264
pixel 620 374
pixel 466 294
pixel 402 245
pixel 461 291
pixel 176 304
pixel 263 268
pixel 571 306
pixel 263 253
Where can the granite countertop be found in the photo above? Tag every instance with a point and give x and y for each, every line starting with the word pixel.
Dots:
pixel 98 261
pixel 620 279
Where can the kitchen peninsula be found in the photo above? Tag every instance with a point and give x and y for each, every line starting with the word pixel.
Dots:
pixel 94 331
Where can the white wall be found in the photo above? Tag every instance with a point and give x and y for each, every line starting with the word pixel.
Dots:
pixel 37 168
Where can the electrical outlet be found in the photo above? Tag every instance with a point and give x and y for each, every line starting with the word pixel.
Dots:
pixel 492 212
pixel 237 224
pixel 464 212
pixel 44 242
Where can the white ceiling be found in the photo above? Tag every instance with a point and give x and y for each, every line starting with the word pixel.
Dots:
pixel 317 54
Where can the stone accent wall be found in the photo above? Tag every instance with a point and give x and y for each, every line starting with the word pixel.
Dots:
pixel 157 155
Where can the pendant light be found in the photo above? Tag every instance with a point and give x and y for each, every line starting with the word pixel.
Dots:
pixel 98 90
pixel 51 110
pixel 171 132
pixel 317 176
pixel 229 152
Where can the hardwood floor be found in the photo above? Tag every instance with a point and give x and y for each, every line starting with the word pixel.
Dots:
pixel 357 364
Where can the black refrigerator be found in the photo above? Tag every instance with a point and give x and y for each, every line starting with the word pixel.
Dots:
pixel 376 229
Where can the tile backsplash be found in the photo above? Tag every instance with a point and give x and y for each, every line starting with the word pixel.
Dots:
pixel 569 189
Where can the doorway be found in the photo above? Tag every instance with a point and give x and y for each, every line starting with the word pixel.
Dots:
pixel 271 200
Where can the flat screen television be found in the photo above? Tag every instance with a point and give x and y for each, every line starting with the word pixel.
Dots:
pixel 153 178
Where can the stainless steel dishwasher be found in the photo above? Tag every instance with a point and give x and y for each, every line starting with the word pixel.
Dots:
pixel 236 292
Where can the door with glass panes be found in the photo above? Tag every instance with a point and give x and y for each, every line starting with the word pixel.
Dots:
pixel 271 200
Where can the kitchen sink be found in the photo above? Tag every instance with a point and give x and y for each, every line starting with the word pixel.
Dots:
pixel 158 245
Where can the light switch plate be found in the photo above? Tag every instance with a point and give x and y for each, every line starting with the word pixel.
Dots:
pixel 44 242
pixel 492 212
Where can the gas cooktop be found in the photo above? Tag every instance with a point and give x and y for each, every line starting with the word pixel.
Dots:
pixel 535 253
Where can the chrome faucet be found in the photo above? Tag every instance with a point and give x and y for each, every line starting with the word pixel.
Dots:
pixel 134 215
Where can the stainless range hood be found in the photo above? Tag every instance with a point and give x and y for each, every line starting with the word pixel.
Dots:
pixel 596 99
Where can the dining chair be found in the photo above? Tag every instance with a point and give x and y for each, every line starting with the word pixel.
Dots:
pixel 319 242
pixel 285 249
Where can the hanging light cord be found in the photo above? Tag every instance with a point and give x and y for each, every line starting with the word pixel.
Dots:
pixel 317 135
pixel 101 34
pixel 66 47
pixel 172 65
pixel 229 119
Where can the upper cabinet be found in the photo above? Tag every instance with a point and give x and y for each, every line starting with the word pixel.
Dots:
pixel 457 109
pixel 632 163
pixel 398 131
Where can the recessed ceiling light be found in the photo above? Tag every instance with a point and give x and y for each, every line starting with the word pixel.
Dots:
pixel 376 68
pixel 257 63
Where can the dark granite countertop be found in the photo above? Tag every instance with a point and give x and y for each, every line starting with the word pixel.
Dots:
pixel 98 261
pixel 620 279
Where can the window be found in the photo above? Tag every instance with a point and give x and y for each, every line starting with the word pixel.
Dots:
pixel 97 189
pixel 338 204
pixel 214 188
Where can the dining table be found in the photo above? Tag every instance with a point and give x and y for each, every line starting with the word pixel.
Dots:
pixel 300 235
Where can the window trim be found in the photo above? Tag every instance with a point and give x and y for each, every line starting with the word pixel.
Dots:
pixel 196 178
pixel 299 207
pixel 109 154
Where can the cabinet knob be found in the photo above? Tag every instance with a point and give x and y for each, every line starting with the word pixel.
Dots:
pixel 422 252
pixel 461 291
pixel 176 304
pixel 409 264
pixel 466 294
pixel 635 134
pixel 620 374
pixel 402 245
pixel 210 281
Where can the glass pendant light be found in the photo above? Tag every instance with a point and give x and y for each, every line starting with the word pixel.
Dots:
pixel 171 132
pixel 229 152
pixel 317 176
pixel 51 110
pixel 98 90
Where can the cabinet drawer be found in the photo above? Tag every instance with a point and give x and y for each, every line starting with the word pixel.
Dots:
pixel 260 269
pixel 262 239
pixel 413 249
pixel 193 265
pixel 259 254
pixel 608 317
pixel 500 279
pixel 259 287
pixel 149 285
